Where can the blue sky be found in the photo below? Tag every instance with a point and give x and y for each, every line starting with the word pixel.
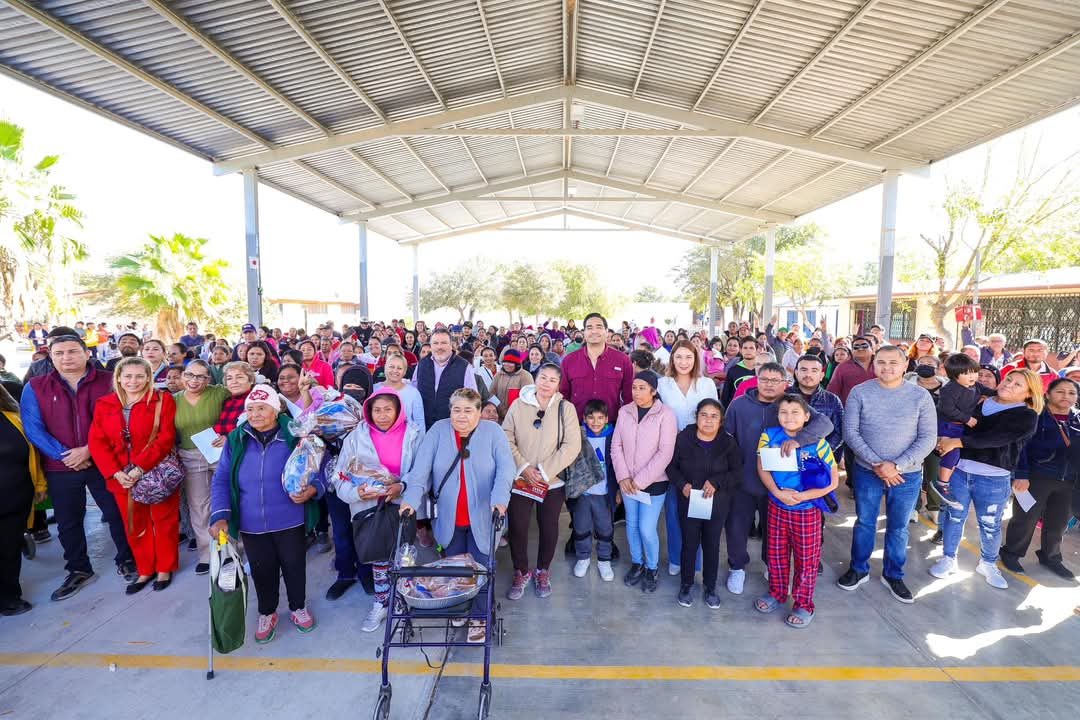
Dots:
pixel 130 185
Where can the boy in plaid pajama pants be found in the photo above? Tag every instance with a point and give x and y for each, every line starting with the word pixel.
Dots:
pixel 794 521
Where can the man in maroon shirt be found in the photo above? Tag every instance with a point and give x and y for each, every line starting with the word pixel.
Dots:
pixel 847 375
pixel 596 371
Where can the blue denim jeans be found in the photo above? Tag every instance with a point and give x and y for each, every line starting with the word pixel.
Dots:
pixel 899 504
pixel 989 494
pixel 642 533
pixel 673 528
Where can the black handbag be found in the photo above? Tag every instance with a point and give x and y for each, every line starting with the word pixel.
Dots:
pixel 375 533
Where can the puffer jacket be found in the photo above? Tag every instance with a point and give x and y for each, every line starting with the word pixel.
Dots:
pixel 642 450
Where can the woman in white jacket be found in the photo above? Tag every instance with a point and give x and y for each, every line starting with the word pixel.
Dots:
pixel 380 450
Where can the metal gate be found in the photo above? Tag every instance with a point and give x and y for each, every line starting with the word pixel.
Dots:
pixel 1053 318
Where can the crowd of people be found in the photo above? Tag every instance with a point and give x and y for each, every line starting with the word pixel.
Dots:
pixel 743 436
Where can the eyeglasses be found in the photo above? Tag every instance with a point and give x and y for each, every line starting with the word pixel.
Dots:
pixel 195 376
pixel 539 419
pixel 861 346
pixel 770 381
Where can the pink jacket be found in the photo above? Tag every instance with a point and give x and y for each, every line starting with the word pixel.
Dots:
pixel 642 450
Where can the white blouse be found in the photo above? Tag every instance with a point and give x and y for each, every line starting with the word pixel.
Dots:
pixel 685 406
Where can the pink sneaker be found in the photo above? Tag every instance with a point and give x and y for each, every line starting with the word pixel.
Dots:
pixel 264 633
pixel 521 581
pixel 303 619
pixel 543 584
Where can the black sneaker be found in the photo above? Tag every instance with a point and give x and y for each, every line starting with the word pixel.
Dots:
pixel 851 580
pixel 649 581
pixel 898 589
pixel 1054 566
pixel 820 568
pixel 192 545
pixel 614 552
pixel 16 607
pixel 338 589
pixel 686 597
pixel 128 571
pixel 755 532
pixel 712 600
pixel 1012 563
pixel 937 539
pixel 182 539
pixel 72 584
pixel 322 543
pixel 202 569
pixel 29 547
pixel 633 576
pixel 42 536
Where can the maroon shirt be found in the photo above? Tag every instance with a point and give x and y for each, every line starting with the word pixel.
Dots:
pixel 609 381
pixel 847 375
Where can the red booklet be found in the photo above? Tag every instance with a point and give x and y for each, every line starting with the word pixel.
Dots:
pixel 527 489
pixel 511 396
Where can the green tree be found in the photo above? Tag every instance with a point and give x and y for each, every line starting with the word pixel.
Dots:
pixel 530 290
pixel 809 276
pixel 172 280
pixel 467 288
pixel 649 294
pixel 1022 226
pixel 36 217
pixel 583 291
pixel 740 271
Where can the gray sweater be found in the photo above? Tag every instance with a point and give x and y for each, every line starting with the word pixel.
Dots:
pixel 897 425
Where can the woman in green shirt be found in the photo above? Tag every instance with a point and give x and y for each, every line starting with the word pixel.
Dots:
pixel 198 407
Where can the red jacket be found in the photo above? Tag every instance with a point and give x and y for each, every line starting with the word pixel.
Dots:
pixel 107 446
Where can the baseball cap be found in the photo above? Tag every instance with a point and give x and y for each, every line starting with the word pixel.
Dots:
pixel 248 327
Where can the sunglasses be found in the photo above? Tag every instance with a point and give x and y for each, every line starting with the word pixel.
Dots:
pixel 861 346
pixel 539 419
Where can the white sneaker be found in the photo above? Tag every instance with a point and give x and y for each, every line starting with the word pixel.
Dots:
pixel 374 618
pixel 992 574
pixel 914 516
pixel 674 569
pixel 944 567
pixel 735 581
pixel 581 567
pixel 606 573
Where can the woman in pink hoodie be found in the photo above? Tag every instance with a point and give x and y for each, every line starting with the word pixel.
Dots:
pixel 368 471
pixel 641 449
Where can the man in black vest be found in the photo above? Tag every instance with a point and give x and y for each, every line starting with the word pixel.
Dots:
pixel 438 375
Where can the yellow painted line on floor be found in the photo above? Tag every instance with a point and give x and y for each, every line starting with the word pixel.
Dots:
pixel 975 549
pixel 1064 673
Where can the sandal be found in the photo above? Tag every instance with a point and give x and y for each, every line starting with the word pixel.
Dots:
pixel 804 616
pixel 766 604
pixel 477 632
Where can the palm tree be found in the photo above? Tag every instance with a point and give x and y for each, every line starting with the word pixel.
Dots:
pixel 171 279
pixel 35 249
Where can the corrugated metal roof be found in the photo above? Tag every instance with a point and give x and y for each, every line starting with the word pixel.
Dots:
pixel 795 103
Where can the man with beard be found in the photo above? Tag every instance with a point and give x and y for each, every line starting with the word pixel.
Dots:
pixel 129 344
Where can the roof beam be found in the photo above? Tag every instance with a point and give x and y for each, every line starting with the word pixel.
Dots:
pixel 728 51
pixel 950 37
pixel 458 195
pixel 854 20
pixel 1064 45
pixel 491 45
pixel 690 200
pixel 491 225
pixel 731 128
pixel 412 53
pixel 660 160
pixel 806 183
pixel 757 173
pixel 708 168
pixel 393 129
pixel 634 225
pixel 615 150
pixel 648 47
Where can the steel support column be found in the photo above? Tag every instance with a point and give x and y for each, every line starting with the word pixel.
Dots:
pixel 251 236
pixel 365 310
pixel 883 312
pixel 416 283
pixel 770 269
pixel 714 263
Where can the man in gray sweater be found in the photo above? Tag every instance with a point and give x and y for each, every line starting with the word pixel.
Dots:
pixel 890 426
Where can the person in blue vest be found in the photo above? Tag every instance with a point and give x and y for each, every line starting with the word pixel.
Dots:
pixel 438 375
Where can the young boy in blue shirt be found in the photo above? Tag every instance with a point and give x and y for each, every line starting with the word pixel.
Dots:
pixel 794 516
pixel 592 510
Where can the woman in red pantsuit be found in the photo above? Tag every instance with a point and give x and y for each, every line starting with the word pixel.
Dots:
pixel 125 445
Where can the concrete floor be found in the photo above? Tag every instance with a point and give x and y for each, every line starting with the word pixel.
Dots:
pixel 593 650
